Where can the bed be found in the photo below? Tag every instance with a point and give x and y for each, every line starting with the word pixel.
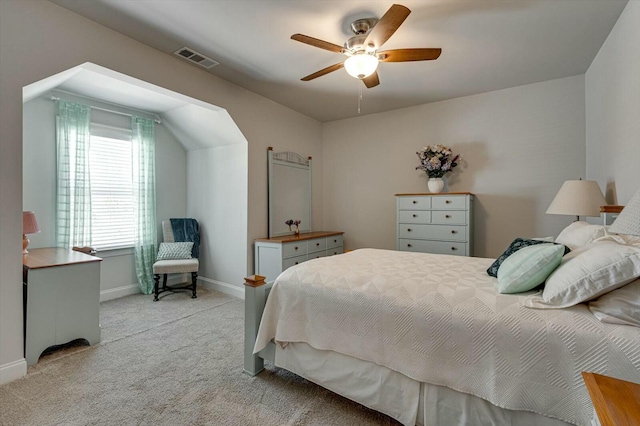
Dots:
pixel 427 340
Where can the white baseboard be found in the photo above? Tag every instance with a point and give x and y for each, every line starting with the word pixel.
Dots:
pixel 13 371
pixel 118 292
pixel 128 290
pixel 226 288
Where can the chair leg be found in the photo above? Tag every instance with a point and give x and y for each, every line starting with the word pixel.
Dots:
pixel 194 278
pixel 156 281
pixel 164 282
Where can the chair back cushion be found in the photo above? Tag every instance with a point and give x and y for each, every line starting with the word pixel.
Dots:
pixel 167 231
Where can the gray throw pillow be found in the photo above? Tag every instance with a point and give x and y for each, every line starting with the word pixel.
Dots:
pixel 174 251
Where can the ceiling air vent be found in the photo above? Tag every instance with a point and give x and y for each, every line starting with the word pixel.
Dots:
pixel 195 57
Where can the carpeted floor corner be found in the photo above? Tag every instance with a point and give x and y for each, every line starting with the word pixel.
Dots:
pixel 174 362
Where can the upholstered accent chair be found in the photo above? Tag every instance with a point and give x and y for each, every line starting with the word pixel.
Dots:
pixel 173 266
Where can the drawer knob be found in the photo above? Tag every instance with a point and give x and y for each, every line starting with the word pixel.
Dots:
pixel 447 201
pixel 453 231
pixel 408 229
pixel 335 252
pixel 317 244
pixel 447 216
pixel 296 263
pixel 317 257
pixel 296 247
pixel 408 245
pixel 335 241
pixel 415 202
pixel 415 215
pixel 454 248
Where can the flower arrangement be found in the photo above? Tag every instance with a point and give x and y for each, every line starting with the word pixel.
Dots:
pixel 289 223
pixel 436 160
pixel 296 222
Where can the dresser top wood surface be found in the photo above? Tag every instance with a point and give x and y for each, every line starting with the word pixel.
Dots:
pixel 55 256
pixel 433 194
pixel 299 237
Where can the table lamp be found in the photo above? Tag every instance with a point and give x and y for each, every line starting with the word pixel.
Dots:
pixel 628 221
pixel 29 226
pixel 578 198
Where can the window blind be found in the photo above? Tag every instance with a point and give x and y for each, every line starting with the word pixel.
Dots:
pixel 111 191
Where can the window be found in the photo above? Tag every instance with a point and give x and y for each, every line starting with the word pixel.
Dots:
pixel 112 198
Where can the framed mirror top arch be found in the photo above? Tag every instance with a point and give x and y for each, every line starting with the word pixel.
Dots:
pixel 289 192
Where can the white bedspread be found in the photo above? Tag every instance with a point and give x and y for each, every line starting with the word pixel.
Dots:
pixel 438 319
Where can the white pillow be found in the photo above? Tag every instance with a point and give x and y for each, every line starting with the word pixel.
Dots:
pixel 596 270
pixel 579 234
pixel 621 306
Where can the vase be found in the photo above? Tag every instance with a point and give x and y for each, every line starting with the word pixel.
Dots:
pixel 435 185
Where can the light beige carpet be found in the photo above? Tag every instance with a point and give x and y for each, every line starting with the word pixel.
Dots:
pixel 174 362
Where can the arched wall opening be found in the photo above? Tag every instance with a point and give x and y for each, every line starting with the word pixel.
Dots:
pixel 201 169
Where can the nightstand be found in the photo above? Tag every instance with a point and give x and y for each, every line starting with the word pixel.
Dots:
pixel 617 402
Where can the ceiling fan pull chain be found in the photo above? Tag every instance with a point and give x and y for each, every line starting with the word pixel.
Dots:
pixel 359 95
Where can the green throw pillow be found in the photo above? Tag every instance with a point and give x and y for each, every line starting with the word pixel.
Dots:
pixel 528 267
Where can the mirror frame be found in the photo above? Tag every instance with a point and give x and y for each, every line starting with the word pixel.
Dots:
pixel 288 161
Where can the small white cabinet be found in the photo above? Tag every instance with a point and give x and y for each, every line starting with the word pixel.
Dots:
pixel 435 223
pixel 62 300
pixel 274 255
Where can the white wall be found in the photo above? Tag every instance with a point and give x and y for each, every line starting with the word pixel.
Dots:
pixel 58 39
pixel 217 187
pixel 613 110
pixel 117 276
pixel 519 145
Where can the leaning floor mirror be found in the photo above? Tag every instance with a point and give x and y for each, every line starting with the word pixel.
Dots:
pixel 289 192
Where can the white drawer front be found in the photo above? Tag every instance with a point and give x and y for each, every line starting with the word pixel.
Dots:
pixel 414 216
pixel 317 255
pixel 294 249
pixel 457 217
pixel 453 202
pixel 319 244
pixel 334 250
pixel 287 263
pixel 433 232
pixel 437 247
pixel 414 203
pixel 335 241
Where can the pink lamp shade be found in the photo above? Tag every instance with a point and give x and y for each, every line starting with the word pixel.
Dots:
pixel 29 226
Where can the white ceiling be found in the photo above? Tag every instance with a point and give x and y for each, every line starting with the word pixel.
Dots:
pixel 486 45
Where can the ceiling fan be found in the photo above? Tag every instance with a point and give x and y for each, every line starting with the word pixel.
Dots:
pixel 363 49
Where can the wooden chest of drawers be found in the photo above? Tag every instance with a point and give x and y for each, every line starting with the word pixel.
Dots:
pixel 274 255
pixel 435 223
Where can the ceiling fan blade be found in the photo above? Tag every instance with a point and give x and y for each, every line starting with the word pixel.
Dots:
pixel 317 43
pixel 323 71
pixel 372 80
pixel 387 25
pixel 408 55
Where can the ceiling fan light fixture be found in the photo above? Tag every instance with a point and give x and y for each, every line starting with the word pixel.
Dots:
pixel 361 65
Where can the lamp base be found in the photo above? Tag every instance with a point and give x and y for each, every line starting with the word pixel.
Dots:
pixel 25 243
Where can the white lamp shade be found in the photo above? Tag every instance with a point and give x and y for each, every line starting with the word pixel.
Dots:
pixel 628 221
pixel 361 65
pixel 578 198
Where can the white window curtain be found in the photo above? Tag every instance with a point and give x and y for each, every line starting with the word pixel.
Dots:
pixel 73 196
pixel 144 187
